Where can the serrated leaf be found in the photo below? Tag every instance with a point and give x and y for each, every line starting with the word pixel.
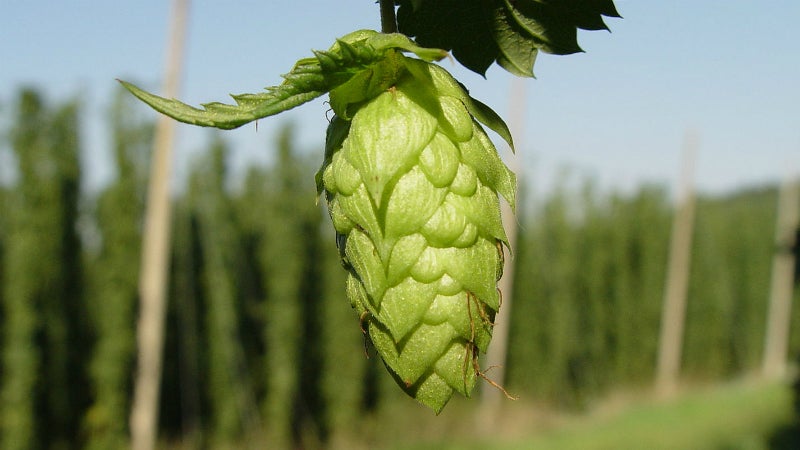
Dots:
pixel 486 115
pixel 303 84
pixel 462 26
pixel 480 32
pixel 364 85
pixel 517 50
pixel 365 62
pixel 586 14
pixel 550 27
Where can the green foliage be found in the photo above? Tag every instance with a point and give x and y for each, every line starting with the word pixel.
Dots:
pixel 590 286
pixel 219 246
pixel 589 269
pixel 640 238
pixel 4 206
pixel 20 355
pixel 43 300
pixel 284 280
pixel 185 385
pixel 731 275
pixel 509 32
pixel 282 228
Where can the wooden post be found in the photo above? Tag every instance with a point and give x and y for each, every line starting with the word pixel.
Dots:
pixel 155 254
pixel 776 342
pixel 673 315
pixel 496 354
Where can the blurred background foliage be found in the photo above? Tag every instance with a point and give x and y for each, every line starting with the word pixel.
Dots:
pixel 262 345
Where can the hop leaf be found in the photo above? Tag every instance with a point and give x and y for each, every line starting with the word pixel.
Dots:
pixel 510 32
pixel 358 66
pixel 412 185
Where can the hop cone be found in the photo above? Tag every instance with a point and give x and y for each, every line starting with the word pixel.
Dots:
pixel 412 184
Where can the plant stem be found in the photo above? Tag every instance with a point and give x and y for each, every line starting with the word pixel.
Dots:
pixel 388 19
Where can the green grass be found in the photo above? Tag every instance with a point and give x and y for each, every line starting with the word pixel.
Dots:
pixel 736 416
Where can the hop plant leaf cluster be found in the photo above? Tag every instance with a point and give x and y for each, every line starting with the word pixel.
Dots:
pixel 509 32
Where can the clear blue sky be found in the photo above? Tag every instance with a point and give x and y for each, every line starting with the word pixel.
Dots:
pixel 729 70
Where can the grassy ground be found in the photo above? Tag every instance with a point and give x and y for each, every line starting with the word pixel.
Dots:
pixel 736 416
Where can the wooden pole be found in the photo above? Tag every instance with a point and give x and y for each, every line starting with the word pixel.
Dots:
pixel 497 352
pixel 776 342
pixel 155 253
pixel 673 315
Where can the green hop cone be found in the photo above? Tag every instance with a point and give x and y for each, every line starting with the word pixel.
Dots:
pixel 412 184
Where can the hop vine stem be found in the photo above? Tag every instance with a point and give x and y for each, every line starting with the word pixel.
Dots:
pixel 388 18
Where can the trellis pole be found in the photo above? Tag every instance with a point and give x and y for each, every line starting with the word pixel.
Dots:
pixel 673 315
pixel 155 253
pixel 776 342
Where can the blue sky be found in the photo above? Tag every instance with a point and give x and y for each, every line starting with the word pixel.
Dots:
pixel 725 70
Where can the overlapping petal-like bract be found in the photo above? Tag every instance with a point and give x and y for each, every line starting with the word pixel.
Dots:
pixel 412 185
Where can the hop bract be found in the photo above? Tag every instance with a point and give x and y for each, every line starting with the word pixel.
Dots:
pixel 412 184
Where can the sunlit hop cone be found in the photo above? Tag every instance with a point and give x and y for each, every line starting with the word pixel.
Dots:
pixel 412 184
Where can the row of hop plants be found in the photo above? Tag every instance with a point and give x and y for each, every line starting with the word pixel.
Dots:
pixel 590 286
pixel 261 339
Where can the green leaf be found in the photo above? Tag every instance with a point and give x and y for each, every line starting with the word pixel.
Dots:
pixel 508 32
pixel 487 116
pixel 382 41
pixel 517 51
pixel 366 84
pixel 462 26
pixel 304 83
pixel 550 27
pixel 585 14
pixel 357 67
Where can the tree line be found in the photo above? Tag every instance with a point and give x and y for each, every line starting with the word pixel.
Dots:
pixel 261 340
